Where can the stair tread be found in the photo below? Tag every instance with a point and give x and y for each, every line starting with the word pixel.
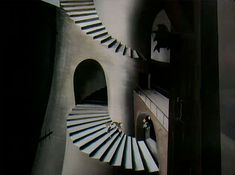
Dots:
pixel 84 121
pixel 112 150
pixel 79 8
pixel 77 112
pixel 85 18
pixel 94 29
pixel 98 34
pixel 122 49
pixel 128 154
pixel 148 159
pixel 87 132
pixel 81 13
pixel 115 45
pixel 86 126
pixel 90 105
pixel 103 37
pixel 76 3
pixel 101 151
pixel 90 108
pixel 129 52
pixel 90 24
pixel 110 42
pixel 135 54
pixel 84 116
pixel 90 148
pixel 117 158
pixel 89 138
pixel 137 161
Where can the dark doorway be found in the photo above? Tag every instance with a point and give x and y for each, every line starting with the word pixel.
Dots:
pixel 90 84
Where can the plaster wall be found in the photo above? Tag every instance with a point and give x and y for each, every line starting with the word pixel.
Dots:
pixel 74 46
pixel 118 17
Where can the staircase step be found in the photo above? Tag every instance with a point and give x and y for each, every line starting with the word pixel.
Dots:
pixel 128 154
pixel 107 157
pixel 115 46
pixel 67 1
pixel 90 138
pixel 75 3
pixel 90 109
pixel 137 161
pixel 84 121
pixel 93 146
pixel 81 13
pixel 110 43
pixel 90 106
pixel 80 128
pixel 148 159
pixel 129 52
pixel 94 30
pixel 82 19
pixel 122 50
pixel 78 112
pixel 98 34
pixel 85 133
pixel 79 8
pixel 135 54
pixel 84 116
pixel 103 38
pixel 98 154
pixel 90 24
pixel 117 158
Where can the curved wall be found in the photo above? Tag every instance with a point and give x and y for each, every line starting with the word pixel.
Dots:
pixel 129 21
pixel 73 47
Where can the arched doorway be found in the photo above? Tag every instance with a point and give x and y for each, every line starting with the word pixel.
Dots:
pixel 145 131
pixel 90 84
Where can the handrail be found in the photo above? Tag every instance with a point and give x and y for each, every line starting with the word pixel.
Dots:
pixel 138 89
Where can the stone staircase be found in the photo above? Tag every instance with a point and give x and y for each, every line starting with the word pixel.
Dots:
pixel 84 14
pixel 87 127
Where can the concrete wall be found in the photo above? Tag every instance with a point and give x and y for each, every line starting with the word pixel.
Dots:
pixel 226 28
pixel 74 46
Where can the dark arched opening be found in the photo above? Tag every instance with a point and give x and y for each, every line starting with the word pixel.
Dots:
pixel 90 84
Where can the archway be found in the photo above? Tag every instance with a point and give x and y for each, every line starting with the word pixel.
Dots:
pixel 89 83
pixel 145 131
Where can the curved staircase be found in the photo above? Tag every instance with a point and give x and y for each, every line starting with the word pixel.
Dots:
pixel 84 14
pixel 87 127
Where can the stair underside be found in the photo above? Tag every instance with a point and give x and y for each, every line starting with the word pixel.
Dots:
pixel 84 14
pixel 88 130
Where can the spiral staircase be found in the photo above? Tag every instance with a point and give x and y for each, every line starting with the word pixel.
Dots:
pixel 87 123
pixel 87 127
pixel 84 14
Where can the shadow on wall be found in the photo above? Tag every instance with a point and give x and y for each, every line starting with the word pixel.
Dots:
pixel 89 83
